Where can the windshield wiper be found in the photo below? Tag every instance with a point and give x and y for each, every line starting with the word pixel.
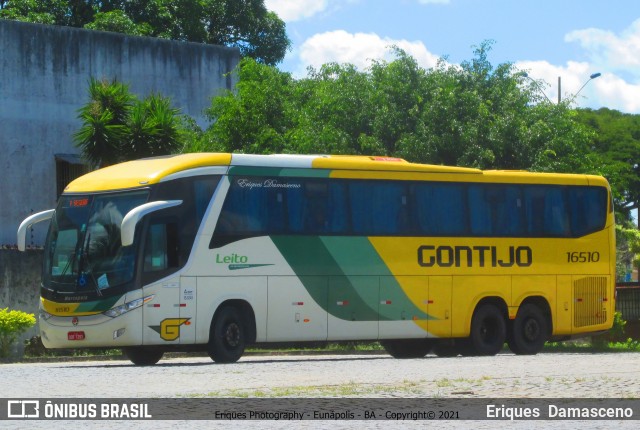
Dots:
pixel 84 261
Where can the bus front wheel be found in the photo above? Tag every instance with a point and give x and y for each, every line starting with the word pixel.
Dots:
pixel 227 337
pixel 488 330
pixel 529 330
pixel 407 348
pixel 143 356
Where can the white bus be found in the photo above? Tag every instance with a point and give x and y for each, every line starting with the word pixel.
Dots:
pixel 218 251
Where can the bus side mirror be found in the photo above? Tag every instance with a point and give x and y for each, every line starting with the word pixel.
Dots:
pixel 28 222
pixel 131 219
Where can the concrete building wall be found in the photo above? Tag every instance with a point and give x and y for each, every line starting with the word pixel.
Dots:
pixel 44 75
pixel 20 286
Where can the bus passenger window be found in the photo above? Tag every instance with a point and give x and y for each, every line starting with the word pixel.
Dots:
pixel 441 209
pixel 377 208
pixel 588 209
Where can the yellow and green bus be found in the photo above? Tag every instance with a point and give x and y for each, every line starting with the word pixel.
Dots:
pixel 215 252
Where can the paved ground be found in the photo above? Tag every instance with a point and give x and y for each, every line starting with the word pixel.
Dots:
pixel 505 375
pixel 614 375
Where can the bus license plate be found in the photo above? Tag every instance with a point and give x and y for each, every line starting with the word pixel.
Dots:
pixel 75 335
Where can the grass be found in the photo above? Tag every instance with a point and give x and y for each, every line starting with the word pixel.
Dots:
pixel 323 347
pixel 630 345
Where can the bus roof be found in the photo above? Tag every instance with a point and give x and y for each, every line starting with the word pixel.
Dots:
pixel 138 173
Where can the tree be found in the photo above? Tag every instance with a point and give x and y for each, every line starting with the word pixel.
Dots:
pixel 103 132
pixel 474 115
pixel 265 111
pixel 627 249
pixel 616 138
pixel 72 13
pixel 245 24
pixel 118 21
pixel 116 126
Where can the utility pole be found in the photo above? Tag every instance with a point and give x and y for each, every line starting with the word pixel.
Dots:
pixel 559 90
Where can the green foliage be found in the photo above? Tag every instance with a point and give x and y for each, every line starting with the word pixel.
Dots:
pixel 474 114
pixel 264 111
pixel 627 248
pixel 617 330
pixel 12 324
pixel 617 140
pixel 245 24
pixel 103 132
pixel 116 126
pixel 117 21
pixel 628 345
pixel 153 128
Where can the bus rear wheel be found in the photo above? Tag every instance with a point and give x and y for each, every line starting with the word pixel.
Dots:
pixel 407 348
pixel 141 356
pixel 227 338
pixel 488 330
pixel 529 330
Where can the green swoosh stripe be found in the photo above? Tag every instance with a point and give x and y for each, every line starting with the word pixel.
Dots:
pixel 345 275
pixel 246 266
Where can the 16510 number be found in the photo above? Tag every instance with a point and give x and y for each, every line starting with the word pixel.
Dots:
pixel 583 257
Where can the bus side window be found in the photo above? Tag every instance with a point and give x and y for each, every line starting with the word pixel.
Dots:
pixel 161 247
pixel 441 209
pixel 480 211
pixel 588 209
pixel 377 208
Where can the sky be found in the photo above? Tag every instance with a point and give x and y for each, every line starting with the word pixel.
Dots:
pixel 548 39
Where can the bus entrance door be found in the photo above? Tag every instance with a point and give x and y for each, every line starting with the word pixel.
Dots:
pixel 188 295
pixel 161 316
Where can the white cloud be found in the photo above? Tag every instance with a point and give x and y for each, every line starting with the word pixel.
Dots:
pixel 607 90
pixel 358 49
pixel 295 10
pixel 615 56
pixel 434 1
pixel 606 49
pixel 608 53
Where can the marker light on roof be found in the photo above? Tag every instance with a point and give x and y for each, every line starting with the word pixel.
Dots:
pixel 393 159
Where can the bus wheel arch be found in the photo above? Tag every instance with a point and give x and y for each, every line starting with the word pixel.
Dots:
pixel 488 330
pixel 531 328
pixel 232 328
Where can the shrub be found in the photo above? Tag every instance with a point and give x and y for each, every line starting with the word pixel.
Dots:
pixel 616 334
pixel 12 324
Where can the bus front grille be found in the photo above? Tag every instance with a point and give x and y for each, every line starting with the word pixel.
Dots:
pixel 590 295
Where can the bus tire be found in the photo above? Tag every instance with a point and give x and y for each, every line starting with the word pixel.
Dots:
pixel 407 348
pixel 529 330
pixel 227 337
pixel 141 356
pixel 488 330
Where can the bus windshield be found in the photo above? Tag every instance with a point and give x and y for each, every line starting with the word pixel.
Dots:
pixel 83 252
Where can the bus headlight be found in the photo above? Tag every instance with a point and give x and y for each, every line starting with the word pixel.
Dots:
pixel 44 315
pixel 129 306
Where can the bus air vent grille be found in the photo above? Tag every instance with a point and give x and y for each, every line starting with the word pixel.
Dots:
pixel 589 295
